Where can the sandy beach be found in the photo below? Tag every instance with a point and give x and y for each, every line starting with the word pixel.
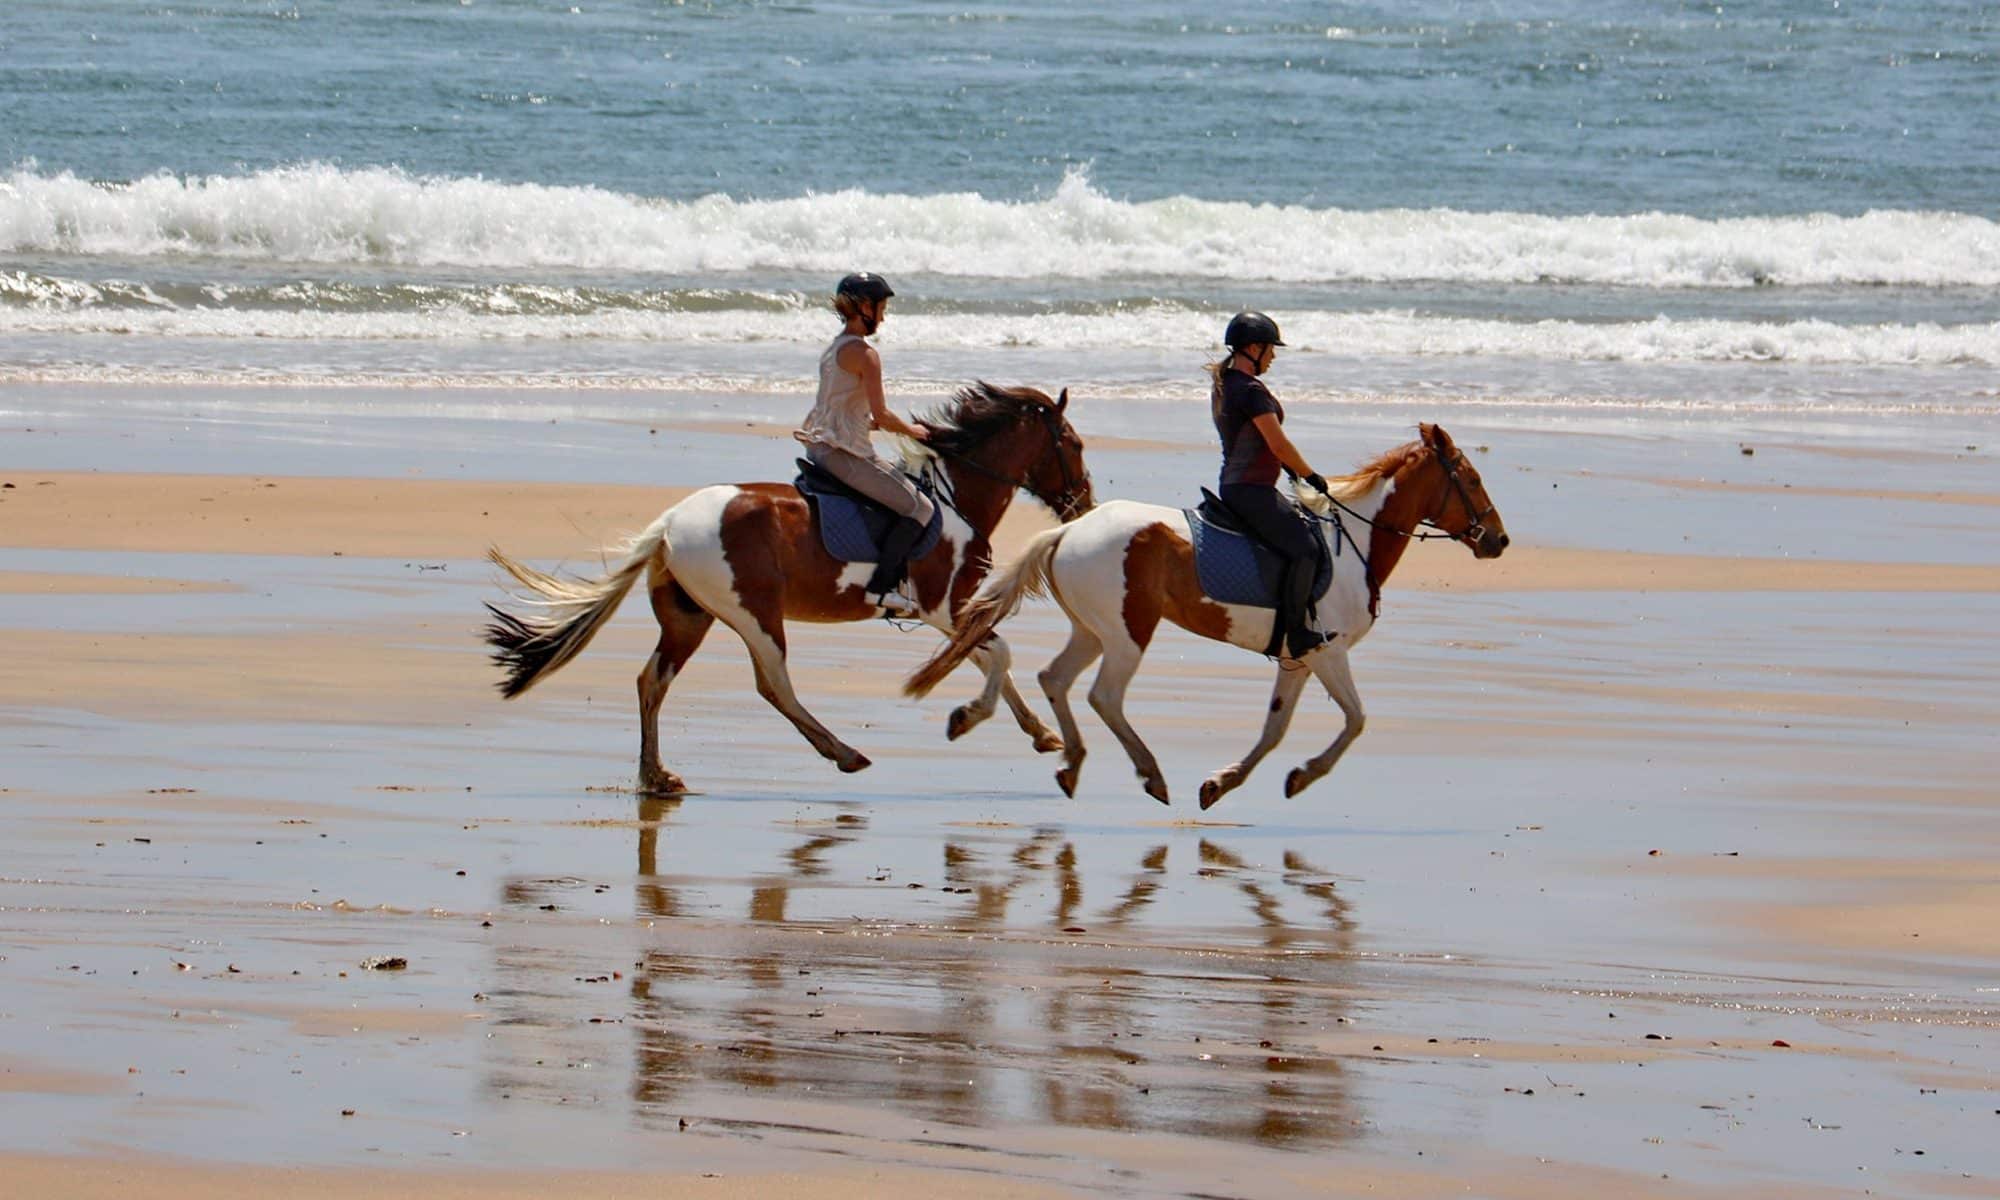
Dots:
pixel 1665 867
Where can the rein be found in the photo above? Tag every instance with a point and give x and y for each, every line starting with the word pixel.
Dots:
pixel 1471 534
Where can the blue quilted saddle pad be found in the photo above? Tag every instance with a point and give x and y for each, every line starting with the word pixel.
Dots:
pixel 851 526
pixel 1235 568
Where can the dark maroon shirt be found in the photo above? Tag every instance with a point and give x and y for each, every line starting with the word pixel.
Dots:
pixel 1246 456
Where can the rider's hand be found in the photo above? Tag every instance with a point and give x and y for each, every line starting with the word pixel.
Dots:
pixel 920 431
pixel 1318 483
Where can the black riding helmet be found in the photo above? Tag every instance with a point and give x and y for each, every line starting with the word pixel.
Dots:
pixel 1251 329
pixel 865 285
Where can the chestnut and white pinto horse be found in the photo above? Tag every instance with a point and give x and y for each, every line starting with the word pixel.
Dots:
pixel 750 556
pixel 1119 570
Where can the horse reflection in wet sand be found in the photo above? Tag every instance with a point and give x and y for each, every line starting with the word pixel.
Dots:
pixel 1039 985
pixel 750 556
pixel 1122 568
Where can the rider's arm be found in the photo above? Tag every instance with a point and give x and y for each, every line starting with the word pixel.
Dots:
pixel 1274 437
pixel 860 358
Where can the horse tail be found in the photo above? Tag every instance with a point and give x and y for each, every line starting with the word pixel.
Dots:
pixel 995 601
pixel 536 644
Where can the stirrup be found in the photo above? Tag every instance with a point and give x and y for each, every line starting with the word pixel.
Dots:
pixel 894 603
pixel 1315 636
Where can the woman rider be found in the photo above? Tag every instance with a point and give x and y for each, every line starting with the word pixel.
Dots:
pixel 1254 447
pixel 835 432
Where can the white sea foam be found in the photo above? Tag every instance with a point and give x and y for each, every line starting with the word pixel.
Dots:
pixel 316 213
pixel 1144 328
pixel 567 395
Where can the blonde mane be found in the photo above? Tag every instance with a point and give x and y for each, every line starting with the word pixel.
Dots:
pixel 1362 480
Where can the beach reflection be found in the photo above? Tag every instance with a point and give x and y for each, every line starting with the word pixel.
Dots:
pixel 1035 977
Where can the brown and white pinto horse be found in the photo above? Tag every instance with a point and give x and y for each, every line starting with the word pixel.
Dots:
pixel 750 555
pixel 1119 570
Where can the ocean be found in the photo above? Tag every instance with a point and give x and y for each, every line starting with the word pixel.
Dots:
pixel 1790 210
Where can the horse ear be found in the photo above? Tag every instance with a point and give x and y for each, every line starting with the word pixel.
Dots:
pixel 1062 401
pixel 1441 441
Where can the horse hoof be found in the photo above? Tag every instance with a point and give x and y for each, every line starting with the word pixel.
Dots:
pixel 1157 789
pixel 860 762
pixel 660 782
pixel 1211 791
pixel 955 728
pixel 1296 781
pixel 1066 780
pixel 1047 743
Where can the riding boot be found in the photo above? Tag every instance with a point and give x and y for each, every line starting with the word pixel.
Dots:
pixel 1300 637
pixel 1286 615
pixel 892 563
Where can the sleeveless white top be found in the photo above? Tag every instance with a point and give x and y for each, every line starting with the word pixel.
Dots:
pixel 839 417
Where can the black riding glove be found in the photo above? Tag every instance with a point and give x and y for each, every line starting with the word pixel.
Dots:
pixel 1318 483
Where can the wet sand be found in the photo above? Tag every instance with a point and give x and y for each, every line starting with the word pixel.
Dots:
pixel 1663 869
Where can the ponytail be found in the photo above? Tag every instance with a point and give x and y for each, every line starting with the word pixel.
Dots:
pixel 1215 372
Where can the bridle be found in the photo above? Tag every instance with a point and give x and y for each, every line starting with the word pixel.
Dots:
pixel 1070 498
pixel 1477 529
pixel 1471 534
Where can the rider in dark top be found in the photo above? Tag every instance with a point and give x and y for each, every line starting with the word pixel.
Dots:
pixel 1254 449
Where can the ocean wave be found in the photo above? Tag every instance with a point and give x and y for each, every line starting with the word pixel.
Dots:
pixel 316 213
pixel 477 317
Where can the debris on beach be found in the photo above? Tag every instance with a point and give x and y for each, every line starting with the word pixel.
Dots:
pixel 385 963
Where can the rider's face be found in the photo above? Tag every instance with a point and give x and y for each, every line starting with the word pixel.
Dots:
pixel 1261 356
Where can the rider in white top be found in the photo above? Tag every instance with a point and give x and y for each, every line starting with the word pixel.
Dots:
pixel 850 404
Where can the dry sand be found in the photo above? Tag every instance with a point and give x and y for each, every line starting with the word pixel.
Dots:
pixel 448 519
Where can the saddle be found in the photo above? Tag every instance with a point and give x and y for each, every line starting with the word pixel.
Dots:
pixel 1234 565
pixel 851 526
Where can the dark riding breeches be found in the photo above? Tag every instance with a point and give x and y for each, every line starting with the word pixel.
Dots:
pixel 1278 523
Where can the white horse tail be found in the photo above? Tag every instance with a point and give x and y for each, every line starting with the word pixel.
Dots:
pixel 531 646
pixel 995 601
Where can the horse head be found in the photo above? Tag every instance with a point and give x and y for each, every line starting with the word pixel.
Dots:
pixel 1456 501
pixel 1020 437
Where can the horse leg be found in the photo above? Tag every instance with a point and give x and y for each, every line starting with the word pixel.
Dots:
pixel 764 636
pixel 1046 740
pixel 1284 702
pixel 995 659
pixel 683 624
pixel 1107 696
pixel 1056 680
pixel 1330 664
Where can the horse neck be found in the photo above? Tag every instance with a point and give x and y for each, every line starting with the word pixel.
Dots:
pixel 1393 509
pixel 981 499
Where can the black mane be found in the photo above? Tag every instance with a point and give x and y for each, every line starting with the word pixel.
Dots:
pixel 978 412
